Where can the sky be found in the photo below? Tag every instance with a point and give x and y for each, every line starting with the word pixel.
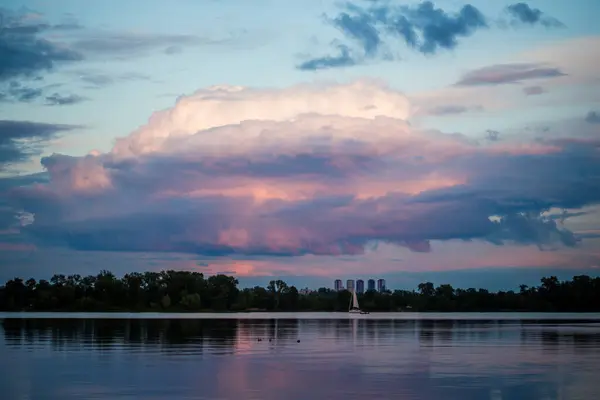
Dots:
pixel 443 141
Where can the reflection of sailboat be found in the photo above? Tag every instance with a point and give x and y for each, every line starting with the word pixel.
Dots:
pixel 353 307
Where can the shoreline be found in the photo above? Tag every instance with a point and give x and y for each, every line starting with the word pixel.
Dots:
pixel 316 315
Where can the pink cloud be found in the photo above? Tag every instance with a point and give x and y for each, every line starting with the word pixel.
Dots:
pixel 325 171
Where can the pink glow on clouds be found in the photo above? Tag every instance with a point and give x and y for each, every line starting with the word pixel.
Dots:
pixel 305 170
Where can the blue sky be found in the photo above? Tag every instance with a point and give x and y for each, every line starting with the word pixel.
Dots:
pixel 141 71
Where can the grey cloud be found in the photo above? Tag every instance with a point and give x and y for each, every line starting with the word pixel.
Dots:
pixel 20 140
pixel 342 59
pixel 99 79
pixel 501 74
pixel 29 48
pixel 15 91
pixel 452 110
pixel 25 53
pixel 424 28
pixel 593 117
pixel 533 90
pixel 522 13
pixel 492 135
pixel 64 100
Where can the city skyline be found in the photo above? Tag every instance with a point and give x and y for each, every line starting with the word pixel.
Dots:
pixel 315 141
pixel 359 285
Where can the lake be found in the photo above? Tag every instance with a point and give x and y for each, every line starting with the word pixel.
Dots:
pixel 299 356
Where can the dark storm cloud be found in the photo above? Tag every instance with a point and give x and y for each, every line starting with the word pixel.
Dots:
pixel 524 14
pixel 502 74
pixel 20 140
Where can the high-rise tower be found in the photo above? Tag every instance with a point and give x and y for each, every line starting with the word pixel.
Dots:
pixel 360 286
pixel 337 285
pixel 371 284
pixel 350 284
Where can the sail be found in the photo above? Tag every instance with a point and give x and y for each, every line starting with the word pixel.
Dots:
pixel 354 300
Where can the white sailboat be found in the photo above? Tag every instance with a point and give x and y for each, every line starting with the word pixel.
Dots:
pixel 353 307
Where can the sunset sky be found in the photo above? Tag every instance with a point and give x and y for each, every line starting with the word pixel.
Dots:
pixel 309 140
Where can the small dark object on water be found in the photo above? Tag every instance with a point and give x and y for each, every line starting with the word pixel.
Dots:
pixel 298 341
pixel 259 340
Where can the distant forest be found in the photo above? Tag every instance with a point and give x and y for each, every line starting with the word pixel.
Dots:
pixel 179 291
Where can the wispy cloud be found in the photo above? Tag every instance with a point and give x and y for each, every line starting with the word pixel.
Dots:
pixel 129 44
pixel 502 74
pixel 24 52
pixel 452 110
pixel 57 99
pixel 30 49
pixel 533 90
pixel 20 140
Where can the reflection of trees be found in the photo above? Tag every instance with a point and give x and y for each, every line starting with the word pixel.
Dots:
pixel 222 334
pixel 554 336
pixel 107 333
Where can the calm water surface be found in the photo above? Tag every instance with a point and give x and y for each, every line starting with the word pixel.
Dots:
pixel 299 356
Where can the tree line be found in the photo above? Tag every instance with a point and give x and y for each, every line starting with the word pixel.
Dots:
pixel 192 291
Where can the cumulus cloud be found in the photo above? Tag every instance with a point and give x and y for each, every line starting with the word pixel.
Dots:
pixel 324 170
pixel 502 74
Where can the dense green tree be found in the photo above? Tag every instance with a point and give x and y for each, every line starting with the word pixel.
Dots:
pixel 191 291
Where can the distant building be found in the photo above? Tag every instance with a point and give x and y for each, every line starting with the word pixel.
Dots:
pixel 381 285
pixel 337 285
pixel 350 284
pixel 360 286
pixel 371 284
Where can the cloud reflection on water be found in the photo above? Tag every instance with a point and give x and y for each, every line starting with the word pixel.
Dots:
pixel 412 359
